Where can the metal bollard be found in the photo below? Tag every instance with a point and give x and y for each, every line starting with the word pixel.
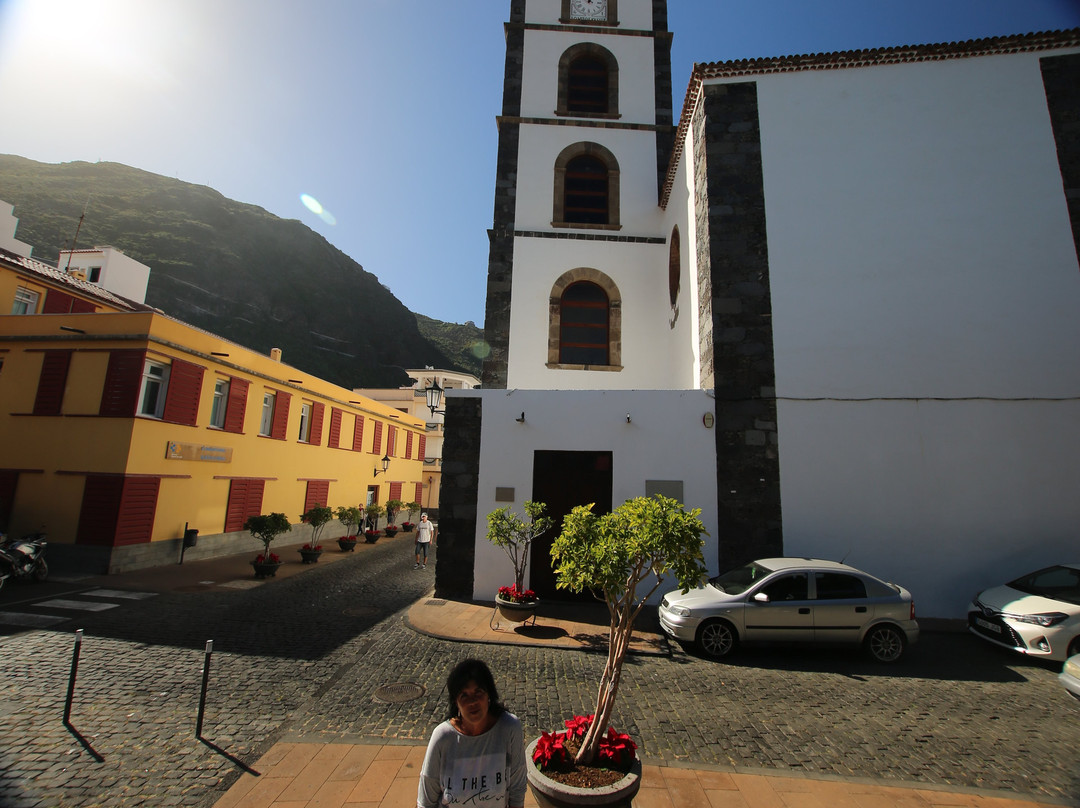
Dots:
pixel 71 678
pixel 205 682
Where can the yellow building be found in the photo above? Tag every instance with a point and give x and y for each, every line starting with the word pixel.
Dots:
pixel 122 427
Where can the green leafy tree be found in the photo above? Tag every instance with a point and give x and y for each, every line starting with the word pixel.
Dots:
pixel 515 535
pixel 317 517
pixel 266 528
pixel 349 516
pixel 374 511
pixel 412 508
pixel 392 508
pixel 611 555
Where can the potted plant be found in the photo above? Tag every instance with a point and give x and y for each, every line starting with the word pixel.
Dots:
pixel 515 536
pixel 611 555
pixel 266 528
pixel 317 517
pixel 373 511
pixel 410 508
pixel 349 516
pixel 392 508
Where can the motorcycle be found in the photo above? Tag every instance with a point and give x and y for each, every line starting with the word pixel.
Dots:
pixel 23 558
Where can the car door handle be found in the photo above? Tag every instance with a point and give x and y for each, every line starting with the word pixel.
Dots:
pixel 860 610
pixel 804 610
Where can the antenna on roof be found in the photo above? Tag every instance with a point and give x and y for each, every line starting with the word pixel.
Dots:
pixel 75 240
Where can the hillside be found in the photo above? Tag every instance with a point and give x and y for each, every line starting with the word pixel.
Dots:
pixel 236 270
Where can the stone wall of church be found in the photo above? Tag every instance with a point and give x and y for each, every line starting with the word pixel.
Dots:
pixel 455 542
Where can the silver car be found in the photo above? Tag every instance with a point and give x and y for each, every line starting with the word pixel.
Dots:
pixel 804 600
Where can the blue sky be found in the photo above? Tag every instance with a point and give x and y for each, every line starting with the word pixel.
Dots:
pixel 381 111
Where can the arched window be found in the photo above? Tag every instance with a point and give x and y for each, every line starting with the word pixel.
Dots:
pixel 588 82
pixel 586 187
pixel 585 322
pixel 583 331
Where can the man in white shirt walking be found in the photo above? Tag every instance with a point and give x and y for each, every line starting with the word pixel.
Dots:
pixel 425 535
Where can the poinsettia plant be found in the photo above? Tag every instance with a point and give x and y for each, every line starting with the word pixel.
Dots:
pixel 274 559
pixel 553 749
pixel 512 593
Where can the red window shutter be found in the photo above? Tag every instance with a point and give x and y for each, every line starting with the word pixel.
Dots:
pixel 281 416
pixel 237 403
pixel 334 440
pixel 391 439
pixel 376 440
pixel 100 510
pixel 395 490
pixel 182 395
pixel 419 495
pixel 138 505
pixel 408 445
pixel 318 492
pixel 80 306
pixel 57 302
pixel 122 380
pixel 245 499
pixel 51 384
pixel 422 448
pixel 358 434
pixel 315 432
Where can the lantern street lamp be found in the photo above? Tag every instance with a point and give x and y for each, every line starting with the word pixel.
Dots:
pixel 385 466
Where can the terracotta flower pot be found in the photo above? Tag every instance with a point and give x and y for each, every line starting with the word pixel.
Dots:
pixel 553 794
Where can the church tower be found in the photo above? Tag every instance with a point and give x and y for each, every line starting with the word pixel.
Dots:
pixel 578 294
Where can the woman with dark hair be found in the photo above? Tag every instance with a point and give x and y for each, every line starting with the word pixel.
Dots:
pixel 477 755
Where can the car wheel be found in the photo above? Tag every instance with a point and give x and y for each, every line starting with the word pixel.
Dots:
pixel 716 638
pixel 885 643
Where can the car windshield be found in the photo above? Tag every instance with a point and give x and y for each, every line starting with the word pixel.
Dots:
pixel 737 581
pixel 1057 583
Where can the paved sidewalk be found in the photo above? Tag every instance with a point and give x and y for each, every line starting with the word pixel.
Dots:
pixel 295 774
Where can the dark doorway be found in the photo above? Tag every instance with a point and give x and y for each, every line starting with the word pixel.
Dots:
pixel 565 480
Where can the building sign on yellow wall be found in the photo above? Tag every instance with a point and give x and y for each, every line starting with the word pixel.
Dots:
pixel 197 451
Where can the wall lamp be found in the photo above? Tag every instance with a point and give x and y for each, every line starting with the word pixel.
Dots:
pixel 385 466
pixel 434 397
pixel 627 417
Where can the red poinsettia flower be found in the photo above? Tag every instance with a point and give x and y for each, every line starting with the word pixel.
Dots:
pixel 577 726
pixel 550 750
pixel 516 595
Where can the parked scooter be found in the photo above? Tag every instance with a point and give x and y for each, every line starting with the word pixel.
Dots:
pixel 23 558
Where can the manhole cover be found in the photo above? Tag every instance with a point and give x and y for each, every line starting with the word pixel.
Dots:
pixel 360 611
pixel 399 692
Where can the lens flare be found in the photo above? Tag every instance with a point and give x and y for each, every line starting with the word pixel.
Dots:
pixel 481 350
pixel 313 204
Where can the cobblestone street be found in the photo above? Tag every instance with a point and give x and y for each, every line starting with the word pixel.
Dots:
pixel 302 658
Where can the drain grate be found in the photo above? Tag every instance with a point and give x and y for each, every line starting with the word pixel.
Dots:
pixel 435 602
pixel 399 692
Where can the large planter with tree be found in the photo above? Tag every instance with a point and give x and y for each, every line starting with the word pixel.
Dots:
pixel 392 508
pixel 266 528
pixel 515 536
pixel 349 516
pixel 411 508
pixel 317 517
pixel 611 555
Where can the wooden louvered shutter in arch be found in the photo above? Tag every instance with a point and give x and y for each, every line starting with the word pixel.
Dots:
pixel 51 384
pixel 318 493
pixel 100 510
pixel 237 404
pixel 245 499
pixel 334 439
pixel 138 505
pixel 280 424
pixel 315 430
pixel 122 380
pixel 182 395
pixel 395 491
pixel 376 440
pixel 358 434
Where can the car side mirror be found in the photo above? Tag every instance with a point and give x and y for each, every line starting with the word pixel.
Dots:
pixel 761 597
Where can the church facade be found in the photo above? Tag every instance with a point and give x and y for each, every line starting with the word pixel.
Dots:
pixel 833 306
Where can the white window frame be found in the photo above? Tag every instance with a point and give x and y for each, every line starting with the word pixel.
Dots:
pixel 221 400
pixel 267 422
pixel 152 390
pixel 26 301
pixel 305 423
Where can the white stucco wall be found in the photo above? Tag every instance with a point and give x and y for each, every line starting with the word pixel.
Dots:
pixel 120 274
pixel 592 421
pixel 633 14
pixel 920 249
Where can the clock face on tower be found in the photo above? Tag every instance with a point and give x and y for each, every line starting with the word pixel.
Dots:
pixel 589 9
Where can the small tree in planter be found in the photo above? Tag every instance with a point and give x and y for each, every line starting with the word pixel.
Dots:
pixel 373 511
pixel 611 555
pixel 411 508
pixel 392 508
pixel 266 528
pixel 515 536
pixel 317 517
pixel 349 516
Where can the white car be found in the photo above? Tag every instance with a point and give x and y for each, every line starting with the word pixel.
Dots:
pixel 1070 676
pixel 793 600
pixel 1037 614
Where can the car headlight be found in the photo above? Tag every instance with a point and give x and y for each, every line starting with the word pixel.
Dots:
pixel 1045 619
pixel 679 611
